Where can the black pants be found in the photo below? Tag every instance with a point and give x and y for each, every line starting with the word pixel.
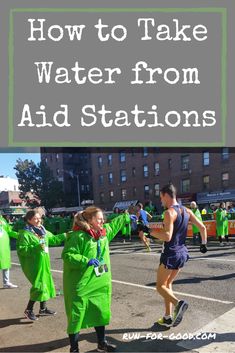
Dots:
pixel 31 304
pixel 226 238
pixel 74 338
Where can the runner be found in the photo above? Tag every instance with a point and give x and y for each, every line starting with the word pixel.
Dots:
pixel 174 253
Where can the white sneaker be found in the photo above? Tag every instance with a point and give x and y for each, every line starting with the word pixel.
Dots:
pixel 9 285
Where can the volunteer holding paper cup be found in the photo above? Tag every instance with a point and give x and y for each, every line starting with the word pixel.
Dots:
pixel 87 275
pixel 33 253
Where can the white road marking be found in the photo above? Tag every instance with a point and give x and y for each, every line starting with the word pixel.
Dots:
pixel 153 253
pixel 153 288
pixel 180 293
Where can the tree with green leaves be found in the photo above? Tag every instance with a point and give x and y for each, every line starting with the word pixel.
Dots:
pixel 38 180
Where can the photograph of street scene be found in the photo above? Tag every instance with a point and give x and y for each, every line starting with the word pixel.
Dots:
pixel 117 249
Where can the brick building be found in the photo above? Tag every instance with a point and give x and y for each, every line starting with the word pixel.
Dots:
pixel 71 166
pixel 108 175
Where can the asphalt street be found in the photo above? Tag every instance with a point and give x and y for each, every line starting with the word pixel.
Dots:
pixel 206 282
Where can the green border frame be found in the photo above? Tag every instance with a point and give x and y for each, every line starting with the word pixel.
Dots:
pixel 222 11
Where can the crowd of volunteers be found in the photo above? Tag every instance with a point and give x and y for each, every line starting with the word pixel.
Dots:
pixel 87 274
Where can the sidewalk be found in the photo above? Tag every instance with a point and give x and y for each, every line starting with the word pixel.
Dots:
pixel 224 341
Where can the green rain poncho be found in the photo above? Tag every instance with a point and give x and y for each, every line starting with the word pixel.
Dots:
pixel 35 263
pixel 126 229
pixel 198 215
pixel 221 222
pixel 5 250
pixel 87 296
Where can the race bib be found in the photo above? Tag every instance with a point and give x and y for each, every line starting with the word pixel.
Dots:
pixel 100 270
pixel 46 249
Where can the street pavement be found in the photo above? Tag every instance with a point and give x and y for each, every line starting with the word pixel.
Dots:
pixel 206 282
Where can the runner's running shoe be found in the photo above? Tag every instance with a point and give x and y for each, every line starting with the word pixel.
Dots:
pixel 179 311
pixel 165 322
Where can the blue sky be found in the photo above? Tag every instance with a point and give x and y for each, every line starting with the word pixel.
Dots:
pixel 8 160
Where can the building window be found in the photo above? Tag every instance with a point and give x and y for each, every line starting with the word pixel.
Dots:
pixel 110 159
pixel 185 162
pixel 146 191
pixel 169 163
pixel 225 180
pixel 133 171
pixel 146 171
pixel 205 182
pixel 156 168
pixel 57 157
pixel 185 185
pixel 134 191
pixel 57 172
pixel 206 158
pixel 123 194
pixel 110 176
pixel 101 197
pixel 145 152
pixel 46 161
pixel 101 179
pixel 122 157
pixel 111 195
pixel 87 188
pixel 156 189
pixel 225 153
pixel 83 188
pixel 100 162
pixel 123 175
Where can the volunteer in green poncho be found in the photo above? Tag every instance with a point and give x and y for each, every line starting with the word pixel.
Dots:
pixel 116 213
pixel 126 230
pixel 87 274
pixel 32 250
pixel 5 251
pixel 196 232
pixel 222 223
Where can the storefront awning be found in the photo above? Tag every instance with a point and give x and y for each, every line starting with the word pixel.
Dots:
pixel 123 205
pixel 217 196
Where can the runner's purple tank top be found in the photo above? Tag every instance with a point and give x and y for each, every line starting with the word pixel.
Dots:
pixel 177 242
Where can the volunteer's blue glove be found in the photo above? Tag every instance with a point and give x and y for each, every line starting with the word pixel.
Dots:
pixel 93 262
pixel 133 218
